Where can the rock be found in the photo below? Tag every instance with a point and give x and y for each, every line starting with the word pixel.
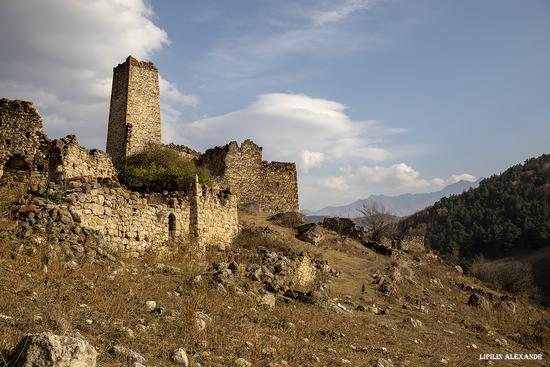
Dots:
pixel 458 268
pixel 150 306
pixel 179 356
pixel 508 306
pixel 128 355
pixel 381 362
pixel 241 362
pixel 288 219
pixel 413 322
pixel 49 350
pixel 200 324
pixel 268 300
pixel 477 300
pixel 311 233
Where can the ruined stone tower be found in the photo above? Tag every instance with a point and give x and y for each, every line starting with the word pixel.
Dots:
pixel 134 115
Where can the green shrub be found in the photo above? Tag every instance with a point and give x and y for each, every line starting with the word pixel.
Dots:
pixel 158 167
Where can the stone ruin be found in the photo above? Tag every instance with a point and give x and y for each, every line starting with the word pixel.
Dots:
pixel 73 191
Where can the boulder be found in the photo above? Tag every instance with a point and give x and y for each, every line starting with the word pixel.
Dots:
pixel 50 350
pixel 477 300
pixel 311 233
pixel 179 356
pixel 288 219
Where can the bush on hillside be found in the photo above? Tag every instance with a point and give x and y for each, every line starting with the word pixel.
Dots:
pixel 160 168
pixel 511 276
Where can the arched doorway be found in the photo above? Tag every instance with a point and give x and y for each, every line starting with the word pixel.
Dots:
pixel 172 225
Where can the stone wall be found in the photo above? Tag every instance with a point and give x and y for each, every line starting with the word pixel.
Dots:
pixel 23 145
pixel 85 183
pixel 134 117
pixel 132 222
pixel 280 187
pixel 271 187
pixel 184 151
pixel 217 216
pixel 69 160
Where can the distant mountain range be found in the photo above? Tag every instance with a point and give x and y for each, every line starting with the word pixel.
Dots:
pixel 401 205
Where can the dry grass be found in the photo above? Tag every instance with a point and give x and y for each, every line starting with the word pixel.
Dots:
pixel 63 299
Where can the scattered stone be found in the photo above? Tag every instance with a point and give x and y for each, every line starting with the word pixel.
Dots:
pixel 288 219
pixel 311 233
pixel 150 306
pixel 179 356
pixel 477 300
pixel 413 322
pixel 459 269
pixel 241 362
pixel 381 362
pixel 508 306
pixel 49 350
pixel 268 300
pixel 127 354
pixel 501 342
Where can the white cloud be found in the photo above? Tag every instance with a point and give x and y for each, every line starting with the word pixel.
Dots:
pixel 360 182
pixel 60 54
pixel 340 12
pixel 311 159
pixel 171 94
pixel 290 126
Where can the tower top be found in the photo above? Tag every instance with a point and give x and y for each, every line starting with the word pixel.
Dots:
pixel 132 61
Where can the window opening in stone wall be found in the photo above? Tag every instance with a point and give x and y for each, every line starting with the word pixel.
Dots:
pixel 172 225
pixel 16 163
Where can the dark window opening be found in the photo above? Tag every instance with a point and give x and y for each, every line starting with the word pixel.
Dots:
pixel 16 163
pixel 172 225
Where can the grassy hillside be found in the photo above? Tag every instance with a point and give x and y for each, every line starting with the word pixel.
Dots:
pixel 407 309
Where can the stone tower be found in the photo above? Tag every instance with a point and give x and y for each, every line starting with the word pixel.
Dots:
pixel 134 116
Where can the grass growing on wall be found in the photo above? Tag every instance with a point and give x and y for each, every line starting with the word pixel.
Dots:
pixel 159 166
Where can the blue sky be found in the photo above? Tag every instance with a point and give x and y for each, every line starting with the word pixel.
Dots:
pixel 367 97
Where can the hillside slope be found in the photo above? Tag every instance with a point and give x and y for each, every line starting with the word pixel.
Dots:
pixel 269 300
pixel 507 214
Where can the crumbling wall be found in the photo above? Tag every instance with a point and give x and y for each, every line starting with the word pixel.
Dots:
pixel 271 187
pixel 237 167
pixel 280 187
pixel 184 151
pixel 69 160
pixel 23 144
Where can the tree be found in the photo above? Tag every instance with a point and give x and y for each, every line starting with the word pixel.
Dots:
pixel 379 220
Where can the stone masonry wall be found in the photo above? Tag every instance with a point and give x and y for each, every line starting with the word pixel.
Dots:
pixel 239 168
pixel 280 187
pixel 143 111
pixel 22 141
pixel 129 221
pixel 217 219
pixel 134 117
pixel 69 160
pixel 271 187
pixel 117 129
pixel 85 184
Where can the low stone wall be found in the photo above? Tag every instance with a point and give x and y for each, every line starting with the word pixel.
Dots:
pixel 132 222
pixel 69 160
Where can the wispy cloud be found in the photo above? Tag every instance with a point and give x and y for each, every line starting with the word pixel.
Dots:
pixel 338 12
